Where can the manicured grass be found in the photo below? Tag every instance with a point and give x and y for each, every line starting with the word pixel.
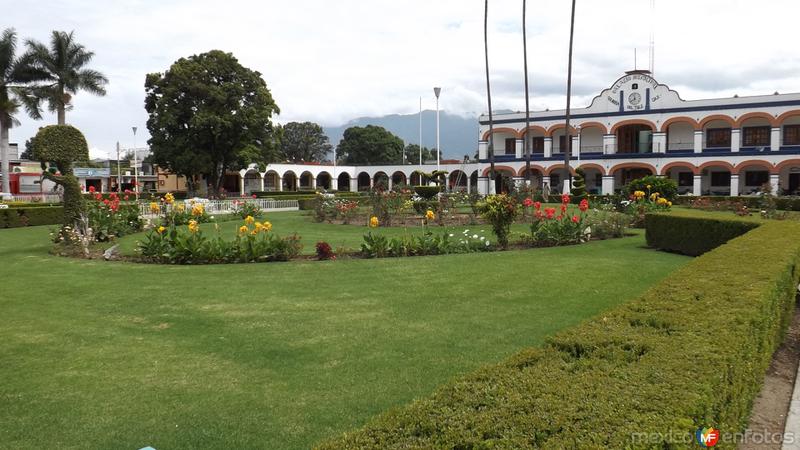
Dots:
pixel 279 355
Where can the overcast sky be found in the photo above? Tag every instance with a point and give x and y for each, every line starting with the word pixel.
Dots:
pixel 329 62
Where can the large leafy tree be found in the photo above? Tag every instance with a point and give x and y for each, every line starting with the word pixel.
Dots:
pixel 208 113
pixel 413 154
pixel 370 145
pixel 304 141
pixel 14 93
pixel 61 69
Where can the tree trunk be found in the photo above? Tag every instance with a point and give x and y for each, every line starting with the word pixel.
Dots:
pixel 74 203
pixel 62 115
pixel 4 156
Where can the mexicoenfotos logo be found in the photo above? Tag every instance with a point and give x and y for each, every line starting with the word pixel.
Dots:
pixel 707 437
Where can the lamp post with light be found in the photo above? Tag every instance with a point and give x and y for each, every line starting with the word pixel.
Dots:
pixel 437 91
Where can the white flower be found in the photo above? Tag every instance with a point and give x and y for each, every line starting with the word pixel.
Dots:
pixel 451 234
pixel 474 236
pixel 482 238
pixel 487 243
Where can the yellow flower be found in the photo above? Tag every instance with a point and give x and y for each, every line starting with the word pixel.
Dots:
pixel 259 226
pixel 154 208
pixel 669 204
pixel 648 186
pixel 161 229
pixel 638 195
pixel 373 222
pixel 198 209
pixel 662 201
pixel 653 196
pixel 254 232
pixel 267 227
pixel 430 215
pixel 194 227
pixel 180 208
pixel 249 220
pixel 169 198
pixel 243 229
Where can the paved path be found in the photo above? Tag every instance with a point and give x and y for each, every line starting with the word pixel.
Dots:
pixel 792 430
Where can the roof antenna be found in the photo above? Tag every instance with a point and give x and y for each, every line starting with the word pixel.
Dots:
pixel 652 38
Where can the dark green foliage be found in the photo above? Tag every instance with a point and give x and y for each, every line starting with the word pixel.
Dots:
pixel 427 192
pixel 784 203
pixel 370 145
pixel 692 236
pixel 60 144
pixel 208 114
pixel 412 153
pixel 667 187
pixel 304 142
pixel 690 352
pixel 31 216
pixel 578 186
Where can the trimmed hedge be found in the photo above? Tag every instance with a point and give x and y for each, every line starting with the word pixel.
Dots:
pixel 279 195
pixel 692 236
pixel 23 217
pixel 691 352
pixel 785 203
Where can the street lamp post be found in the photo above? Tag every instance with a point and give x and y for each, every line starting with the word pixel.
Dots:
pixel 437 91
pixel 135 167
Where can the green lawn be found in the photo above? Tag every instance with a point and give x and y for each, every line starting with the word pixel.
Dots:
pixel 276 356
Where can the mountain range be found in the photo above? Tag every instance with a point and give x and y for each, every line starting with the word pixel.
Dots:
pixel 458 135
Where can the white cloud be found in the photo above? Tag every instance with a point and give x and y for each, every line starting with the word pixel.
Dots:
pixel 332 61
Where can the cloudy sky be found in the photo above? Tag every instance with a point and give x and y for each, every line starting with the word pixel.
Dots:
pixel 333 61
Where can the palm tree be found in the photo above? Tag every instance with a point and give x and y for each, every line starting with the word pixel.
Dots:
pixel 62 68
pixel 14 74
pixel 567 131
pixel 488 90
pixel 527 95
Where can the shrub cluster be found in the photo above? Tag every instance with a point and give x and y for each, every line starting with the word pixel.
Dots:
pixel 31 216
pixel 689 353
pixel 379 246
pixel 692 236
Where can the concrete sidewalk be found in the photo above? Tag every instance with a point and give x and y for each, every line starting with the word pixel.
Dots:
pixel 793 419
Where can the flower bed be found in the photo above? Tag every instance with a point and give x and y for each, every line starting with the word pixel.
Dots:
pixel 688 354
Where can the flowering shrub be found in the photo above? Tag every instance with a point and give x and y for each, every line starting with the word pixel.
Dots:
pixel 548 228
pixel 254 242
pixel 388 204
pixel 243 209
pixel 500 211
pixel 665 187
pixel 641 203
pixel 379 246
pixel 324 251
pixel 110 217
pixel 346 210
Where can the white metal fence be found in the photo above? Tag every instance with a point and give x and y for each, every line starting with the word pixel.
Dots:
pixel 213 207
pixel 32 198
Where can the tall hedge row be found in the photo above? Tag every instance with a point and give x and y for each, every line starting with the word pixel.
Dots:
pixel 692 236
pixel 31 216
pixel 691 352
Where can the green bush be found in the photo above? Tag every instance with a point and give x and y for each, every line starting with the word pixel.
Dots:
pixel 785 203
pixel 692 236
pixel 691 352
pixel 578 186
pixel 666 187
pixel 31 216
pixel 427 192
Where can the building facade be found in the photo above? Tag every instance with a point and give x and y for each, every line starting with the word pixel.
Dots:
pixel 636 127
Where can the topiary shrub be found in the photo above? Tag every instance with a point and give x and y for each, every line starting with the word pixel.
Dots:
pixel 666 187
pixel 427 192
pixel 61 146
pixel 578 186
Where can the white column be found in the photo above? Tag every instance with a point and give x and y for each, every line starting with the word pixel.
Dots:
pixel 546 180
pixel 548 147
pixel 567 185
pixel 280 184
pixel 775 181
pixel 371 182
pixel 734 185
pixel 775 139
pixel 354 184
pixel 241 186
pixel 576 146
pixel 483 149
pixel 519 147
pixel 698 141
pixel 736 139
pixel 390 183
pixel 659 142
pixel 312 182
pixel 262 181
pixel 469 184
pixel 697 188
pixel 610 144
pixel 492 184
pixel 608 185
pixel 334 184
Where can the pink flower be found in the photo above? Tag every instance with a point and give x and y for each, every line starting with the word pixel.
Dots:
pixel 254 195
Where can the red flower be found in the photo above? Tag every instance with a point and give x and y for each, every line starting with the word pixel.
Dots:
pixel 126 198
pixel 528 202
pixel 91 189
pixel 98 197
pixel 106 202
pixel 575 219
pixel 537 205
pixel 563 208
pixel 127 191
pixel 254 195
pixel 584 205
pixel 550 212
pixel 565 198
pixel 560 216
pixel 539 214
